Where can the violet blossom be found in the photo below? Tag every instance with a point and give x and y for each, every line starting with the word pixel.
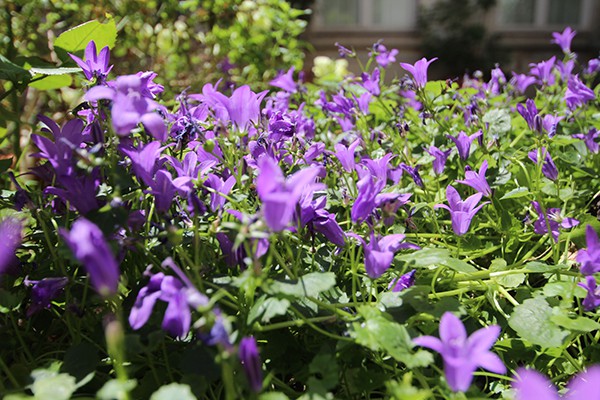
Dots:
pixel 419 71
pixel 521 82
pixel 314 216
pixel 552 219
pixel 590 140
pixel 250 360
pixel 371 82
pixel 543 71
pixel 403 282
pixel 43 292
pixel 549 169
pixel 564 39
pixel 286 81
pixel 461 212
pixel 592 299
pixel 383 57
pixel 463 354
pixel 11 232
pixel 533 385
pixel 578 93
pixel 90 248
pixel 95 64
pixel 463 143
pixel 439 163
pixel 590 258
pixel 530 114
pixel 379 252
pixel 477 179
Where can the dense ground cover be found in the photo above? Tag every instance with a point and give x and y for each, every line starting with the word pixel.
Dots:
pixel 344 238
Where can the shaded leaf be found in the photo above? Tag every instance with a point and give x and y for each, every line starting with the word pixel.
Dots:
pixel 309 285
pixel 532 321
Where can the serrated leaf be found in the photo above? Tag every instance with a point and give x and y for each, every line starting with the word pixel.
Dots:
pixel 309 285
pixel 428 257
pixel 77 38
pixel 516 193
pixel 266 308
pixel 532 321
pixel 580 324
pixel 173 391
pixel 498 121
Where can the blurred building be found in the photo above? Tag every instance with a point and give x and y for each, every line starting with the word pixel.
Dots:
pixel 521 28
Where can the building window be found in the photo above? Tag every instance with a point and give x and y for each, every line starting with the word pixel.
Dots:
pixel 398 15
pixel 545 14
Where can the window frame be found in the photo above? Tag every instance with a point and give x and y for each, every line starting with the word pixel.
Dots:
pixel 540 18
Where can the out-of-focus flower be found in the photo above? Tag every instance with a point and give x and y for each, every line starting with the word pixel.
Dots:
pixel 371 82
pixel 250 359
pixel 592 299
pixel 548 168
pixel 90 248
pixel 463 355
pixel 533 385
pixel 286 81
pixel 383 57
pixel 543 71
pixel 578 93
pixel 590 258
pixel 403 282
pixel 11 232
pixel 521 82
pixel 461 212
pixel 564 39
pixel 43 292
pixel 419 71
pixel 95 64
pixel 590 140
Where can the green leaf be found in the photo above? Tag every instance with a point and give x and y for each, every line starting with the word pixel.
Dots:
pixel 508 281
pixel 266 308
pixel 116 389
pixel 325 372
pixel 428 257
pixel 273 396
pixel 536 266
pixel 50 82
pixel 580 324
pixel 77 38
pixel 8 301
pixel 173 391
pixel 310 285
pixel 498 120
pixel 50 385
pixel 532 321
pixel 5 164
pixel 12 72
pixel 516 193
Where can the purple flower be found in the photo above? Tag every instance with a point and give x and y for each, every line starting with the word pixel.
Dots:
pixel 578 93
pixel 521 82
pixel 379 253
pixel 164 188
pixel 461 212
pixel 414 173
pixel 11 232
pixel 543 71
pixel 78 190
pixel 145 160
pixel 95 64
pixel 553 220
pixel 549 124
pixel 250 359
pixel 383 56
pixel 463 355
pixel 43 292
pixel 317 219
pixel 440 158
pixel 590 258
pixel 590 140
pixel 286 81
pixel 463 143
pixel 368 189
pixel 243 107
pixel 530 115
pixel 592 300
pixel 533 385
pixel 179 294
pixel 404 282
pixel 344 51
pixel 548 168
pixel 131 105
pixel 419 71
pixel 279 195
pixel 90 248
pixel 220 189
pixel 477 179
pixel 564 39
pixel 371 82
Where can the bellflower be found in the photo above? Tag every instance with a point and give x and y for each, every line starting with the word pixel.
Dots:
pixel 404 282
pixel 243 106
pixel 461 212
pixel 221 188
pixel 95 64
pixel 549 124
pixel 463 355
pixel 577 93
pixel 543 71
pixel 553 219
pixel 179 294
pixel 590 140
pixel 279 195
pixel 592 300
pixel 530 114
pixel 368 189
pixel 413 172
pixel 379 252
pixel 43 292
pixel 463 143
pixel 131 106
pixel 533 385
pixel 78 190
pixel 250 359
pixel 477 179
pixel 440 158
pixel 371 82
pixel 548 168
pixel 383 57
pixel 164 187
pixel 11 232
pixel 145 160
pixel 317 219
pixel 590 258
pixel 286 81
pixel 90 248
pixel 419 71
pixel 521 82
pixel 564 39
